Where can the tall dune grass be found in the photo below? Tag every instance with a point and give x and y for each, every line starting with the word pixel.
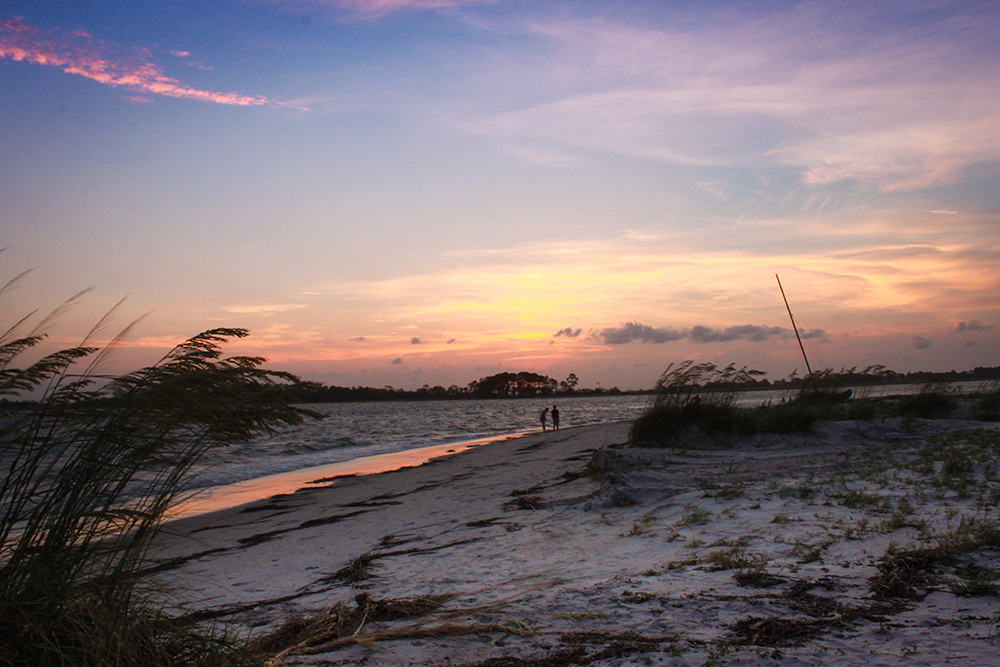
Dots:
pixel 701 399
pixel 88 471
pixel 691 395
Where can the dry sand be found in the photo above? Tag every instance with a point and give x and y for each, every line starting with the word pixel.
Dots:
pixel 744 552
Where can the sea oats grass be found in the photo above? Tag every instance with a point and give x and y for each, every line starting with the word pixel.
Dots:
pixel 90 466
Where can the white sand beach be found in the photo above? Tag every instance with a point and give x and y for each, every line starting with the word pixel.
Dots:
pixel 536 551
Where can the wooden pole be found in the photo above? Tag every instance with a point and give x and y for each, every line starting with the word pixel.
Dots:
pixel 794 328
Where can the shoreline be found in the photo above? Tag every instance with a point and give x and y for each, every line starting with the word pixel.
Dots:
pixel 218 498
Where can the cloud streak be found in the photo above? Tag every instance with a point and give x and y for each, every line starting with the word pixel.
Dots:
pixel 372 9
pixel 262 309
pixel 79 53
pixel 631 332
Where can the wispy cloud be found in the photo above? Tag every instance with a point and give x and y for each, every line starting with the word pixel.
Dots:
pixel 849 274
pixel 262 309
pixel 378 8
pixel 812 88
pixel 80 53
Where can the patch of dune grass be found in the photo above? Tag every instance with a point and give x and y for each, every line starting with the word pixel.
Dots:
pixel 701 399
pixel 690 396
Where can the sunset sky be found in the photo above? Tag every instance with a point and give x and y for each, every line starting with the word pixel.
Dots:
pixel 410 192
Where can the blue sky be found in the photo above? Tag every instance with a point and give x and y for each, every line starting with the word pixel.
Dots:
pixel 429 191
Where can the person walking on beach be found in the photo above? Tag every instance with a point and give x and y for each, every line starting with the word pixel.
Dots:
pixel 555 418
pixel 543 417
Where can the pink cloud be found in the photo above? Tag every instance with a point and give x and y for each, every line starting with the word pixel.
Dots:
pixel 79 53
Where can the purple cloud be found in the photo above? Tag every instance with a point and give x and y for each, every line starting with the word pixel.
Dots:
pixel 633 331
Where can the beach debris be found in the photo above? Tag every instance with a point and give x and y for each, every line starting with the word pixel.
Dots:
pixel 354 572
pixel 482 523
pixel 524 503
pixel 341 624
pixel 756 577
pixel 580 650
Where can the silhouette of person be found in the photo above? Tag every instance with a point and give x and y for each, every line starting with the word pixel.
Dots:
pixel 555 418
pixel 543 417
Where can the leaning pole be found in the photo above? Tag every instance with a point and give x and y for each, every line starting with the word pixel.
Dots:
pixel 794 328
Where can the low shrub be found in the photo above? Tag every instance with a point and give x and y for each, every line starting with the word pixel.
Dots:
pixel 928 404
pixel 988 404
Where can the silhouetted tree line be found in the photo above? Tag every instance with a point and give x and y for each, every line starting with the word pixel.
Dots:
pixel 879 374
pixel 526 384
pixel 502 385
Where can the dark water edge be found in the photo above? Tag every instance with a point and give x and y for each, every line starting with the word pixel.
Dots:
pixel 213 499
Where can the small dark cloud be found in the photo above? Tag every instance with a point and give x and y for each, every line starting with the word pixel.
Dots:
pixel 921 343
pixel 974 325
pixel 568 332
pixel 633 331
pixel 970 343
pixel 415 341
pixel 397 361
pixel 358 339
pixel 450 341
pixel 812 333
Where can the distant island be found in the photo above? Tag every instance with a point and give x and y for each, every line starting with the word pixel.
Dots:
pixel 525 384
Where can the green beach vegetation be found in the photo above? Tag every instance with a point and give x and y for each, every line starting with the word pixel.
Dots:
pixel 90 467
pixel 701 399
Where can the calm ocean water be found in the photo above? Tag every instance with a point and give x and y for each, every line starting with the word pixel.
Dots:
pixel 352 431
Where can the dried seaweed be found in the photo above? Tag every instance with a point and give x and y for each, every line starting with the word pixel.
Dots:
pixel 524 503
pixel 329 629
pixel 354 572
pixel 775 631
